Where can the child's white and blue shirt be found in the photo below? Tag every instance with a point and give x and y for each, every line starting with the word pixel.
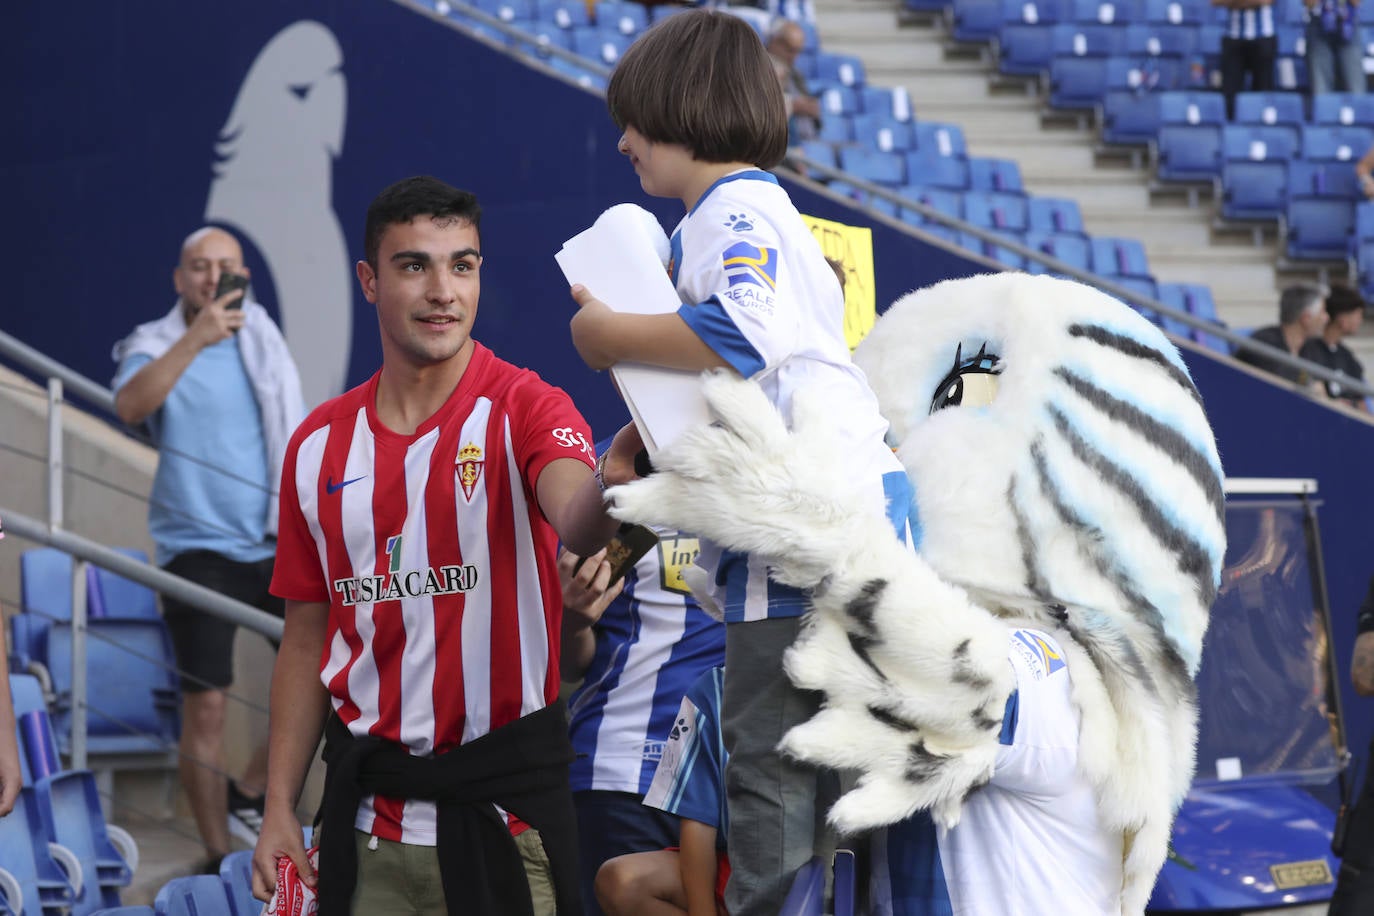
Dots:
pixel 758 291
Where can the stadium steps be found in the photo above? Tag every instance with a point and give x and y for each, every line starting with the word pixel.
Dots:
pixel 1057 158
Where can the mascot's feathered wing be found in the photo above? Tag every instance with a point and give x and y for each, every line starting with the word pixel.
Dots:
pixel 1067 483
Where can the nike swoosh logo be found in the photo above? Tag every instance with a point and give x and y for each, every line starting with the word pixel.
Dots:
pixel 331 487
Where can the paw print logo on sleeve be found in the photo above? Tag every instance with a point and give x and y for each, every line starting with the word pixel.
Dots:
pixel 739 222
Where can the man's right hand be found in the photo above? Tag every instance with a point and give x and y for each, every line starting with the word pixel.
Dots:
pixel 280 836
pixel 216 322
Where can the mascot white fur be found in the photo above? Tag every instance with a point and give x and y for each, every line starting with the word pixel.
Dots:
pixel 1023 681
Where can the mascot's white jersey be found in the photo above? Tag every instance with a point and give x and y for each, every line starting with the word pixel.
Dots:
pixel 1036 820
pixel 758 291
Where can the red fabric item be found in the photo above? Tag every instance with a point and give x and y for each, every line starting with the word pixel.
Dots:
pixel 293 897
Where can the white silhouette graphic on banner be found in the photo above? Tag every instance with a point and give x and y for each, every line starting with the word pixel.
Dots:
pixel 274 181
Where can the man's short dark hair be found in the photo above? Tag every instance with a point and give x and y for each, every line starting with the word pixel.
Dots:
pixel 702 79
pixel 1343 299
pixel 1297 299
pixel 420 195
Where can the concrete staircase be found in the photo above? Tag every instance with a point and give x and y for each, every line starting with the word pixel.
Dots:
pixel 1060 157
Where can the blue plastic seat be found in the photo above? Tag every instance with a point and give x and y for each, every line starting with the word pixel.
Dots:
pixel 1336 142
pixel 930 169
pixel 625 18
pixel 196 895
pixel 236 871
pixel 941 138
pixel 1270 108
pixel 1055 215
pixel 27 858
pixel 1026 42
pixel 1150 40
pixel 873 165
pixel 836 129
pixel 841 69
pixel 819 152
pixel 1130 105
pixel 860 196
pixel 991 250
pixel 1177 12
pixel 891 103
pixel 1118 257
pixel 111 595
pixel 989 174
pixel 1317 228
pixel 1078 67
pixel 883 133
pixel 542 34
pixel 1343 108
pixel 806 897
pixel 579 74
pixel 565 14
pixel 1254 172
pixel 1189 141
pixel 990 210
pixel 1329 180
pixel 1195 299
pixel 975 20
pixel 1102 12
pixel 127 911
pixel 837 99
pixel 507 10
pixel 601 45
pixel 1072 249
pixel 1364 266
pixel 950 203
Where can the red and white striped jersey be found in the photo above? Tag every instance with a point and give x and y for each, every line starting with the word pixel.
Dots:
pixel 437 563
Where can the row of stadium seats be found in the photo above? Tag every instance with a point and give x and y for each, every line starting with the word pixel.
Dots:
pixel 230 893
pixel 57 853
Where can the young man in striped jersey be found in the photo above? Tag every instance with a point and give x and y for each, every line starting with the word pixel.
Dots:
pixel 420 517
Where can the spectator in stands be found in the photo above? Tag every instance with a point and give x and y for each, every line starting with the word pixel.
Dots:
pixel 637 652
pixel 689 783
pixel 1248 48
pixel 786 40
pixel 420 515
pixel 1345 313
pixel 214 385
pixel 1354 894
pixel 1335 48
pixel 10 779
pixel 1302 316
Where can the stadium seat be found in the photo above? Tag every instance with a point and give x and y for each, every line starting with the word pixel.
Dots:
pixel 1343 108
pixel 601 45
pixel 1073 250
pixel 1336 142
pixel 129 911
pixel 1270 109
pixel 941 138
pixel 806 897
pixel 565 14
pixel 949 203
pixel 1317 228
pixel 1102 12
pixel 542 36
pixel 196 895
pixel 872 201
pixel 1329 180
pixel 1189 142
pixel 837 99
pixel 891 103
pixel 873 165
pixel 1025 43
pixel 1364 265
pixel 1079 66
pixel 507 10
pixel 236 871
pixel 111 595
pixel 993 251
pixel 836 128
pixel 990 210
pixel 975 20
pixel 31 867
pixel 1129 111
pixel 1055 214
pixel 933 170
pixel 1290 64
pixel 883 133
pixel 1118 257
pixel 821 153
pixel 1177 12
pixel 1196 300
pixel 989 174
pixel 840 69
pixel 579 74
pixel 625 18
pixel 1161 45
pixel 1254 173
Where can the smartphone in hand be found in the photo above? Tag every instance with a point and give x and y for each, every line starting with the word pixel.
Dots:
pixel 625 549
pixel 228 282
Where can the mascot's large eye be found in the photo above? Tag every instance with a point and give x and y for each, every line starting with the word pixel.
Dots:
pixel 970 383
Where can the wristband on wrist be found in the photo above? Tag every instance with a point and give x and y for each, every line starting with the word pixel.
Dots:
pixel 600 472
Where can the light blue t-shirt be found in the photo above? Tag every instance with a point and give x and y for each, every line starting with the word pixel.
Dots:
pixel 211 487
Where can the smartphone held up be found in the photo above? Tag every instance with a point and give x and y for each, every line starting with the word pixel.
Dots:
pixel 230 282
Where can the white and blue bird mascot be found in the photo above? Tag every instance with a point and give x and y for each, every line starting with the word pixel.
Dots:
pixel 1013 701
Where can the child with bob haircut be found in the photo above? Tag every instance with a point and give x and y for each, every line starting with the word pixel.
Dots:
pixel 703 116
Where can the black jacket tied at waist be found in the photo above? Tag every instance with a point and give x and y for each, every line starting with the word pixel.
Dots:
pixel 521 766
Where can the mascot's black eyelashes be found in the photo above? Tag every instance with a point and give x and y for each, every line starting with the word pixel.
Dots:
pixel 957 389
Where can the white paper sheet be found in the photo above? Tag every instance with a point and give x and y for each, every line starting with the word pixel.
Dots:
pixel 622 259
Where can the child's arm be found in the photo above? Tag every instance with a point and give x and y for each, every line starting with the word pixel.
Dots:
pixel 697 861
pixel 604 337
pixel 9 746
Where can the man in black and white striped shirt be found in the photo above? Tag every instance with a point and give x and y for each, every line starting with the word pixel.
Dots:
pixel 1248 47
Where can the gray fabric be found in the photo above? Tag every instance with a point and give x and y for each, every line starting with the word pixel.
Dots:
pixel 776 806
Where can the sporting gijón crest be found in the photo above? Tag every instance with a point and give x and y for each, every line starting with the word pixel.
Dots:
pixel 469 469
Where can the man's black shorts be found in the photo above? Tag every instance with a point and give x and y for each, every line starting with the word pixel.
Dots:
pixel 205 643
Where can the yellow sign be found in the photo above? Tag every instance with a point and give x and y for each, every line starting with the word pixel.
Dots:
pixel 849 249
pixel 1301 874
pixel 674 554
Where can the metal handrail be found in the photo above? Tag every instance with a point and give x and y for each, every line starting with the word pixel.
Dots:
pixel 93 392
pixel 1283 357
